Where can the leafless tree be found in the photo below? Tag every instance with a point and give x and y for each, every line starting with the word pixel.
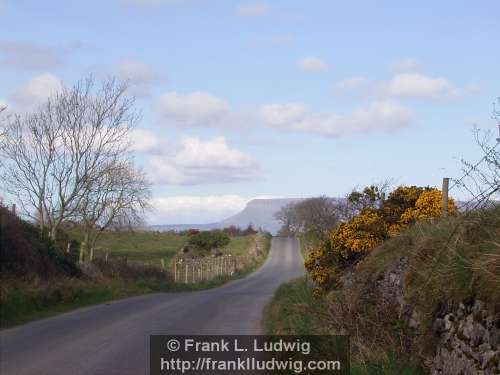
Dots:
pixel 119 197
pixel 370 197
pixel 285 216
pixel 481 180
pixel 53 155
pixel 315 216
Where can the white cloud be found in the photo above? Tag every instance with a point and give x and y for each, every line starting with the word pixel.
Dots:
pixel 381 116
pixel 195 209
pixel 33 56
pixel 26 97
pixel 135 71
pixel 418 86
pixel 352 83
pixel 279 114
pixel 406 65
pixel 195 161
pixel 253 9
pixel 146 141
pixel 406 85
pixel 139 75
pixel 313 64
pixel 193 109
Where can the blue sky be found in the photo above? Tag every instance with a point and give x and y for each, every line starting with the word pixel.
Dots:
pixel 242 99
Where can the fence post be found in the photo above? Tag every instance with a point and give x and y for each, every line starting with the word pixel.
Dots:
pixel 68 247
pixel 162 263
pixel 13 208
pixel 106 257
pixel 80 257
pixel 91 253
pixel 444 197
pixel 186 275
pixel 175 271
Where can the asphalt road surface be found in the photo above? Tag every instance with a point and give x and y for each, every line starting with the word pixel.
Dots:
pixel 113 338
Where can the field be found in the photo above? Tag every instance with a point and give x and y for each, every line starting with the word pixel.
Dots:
pixel 150 247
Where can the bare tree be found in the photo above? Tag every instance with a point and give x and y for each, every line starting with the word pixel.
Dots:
pixel 53 155
pixel 481 180
pixel 119 197
pixel 316 216
pixel 285 216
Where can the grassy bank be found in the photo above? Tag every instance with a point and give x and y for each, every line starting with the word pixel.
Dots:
pixel 441 263
pixel 294 310
pixel 24 301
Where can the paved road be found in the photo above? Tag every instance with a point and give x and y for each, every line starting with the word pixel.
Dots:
pixel 113 338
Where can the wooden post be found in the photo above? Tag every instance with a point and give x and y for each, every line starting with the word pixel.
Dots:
pixel 186 275
pixel 14 208
pixel 80 258
pixel 106 257
pixel 444 197
pixel 68 247
pixel 162 261
pixel 175 271
pixel 91 253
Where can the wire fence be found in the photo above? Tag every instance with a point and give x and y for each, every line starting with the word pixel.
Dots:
pixel 186 269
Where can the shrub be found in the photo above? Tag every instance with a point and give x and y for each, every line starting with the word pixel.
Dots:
pixel 375 223
pixel 209 240
pixel 24 253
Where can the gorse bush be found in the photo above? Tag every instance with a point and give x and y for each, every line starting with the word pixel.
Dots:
pixel 377 220
pixel 209 240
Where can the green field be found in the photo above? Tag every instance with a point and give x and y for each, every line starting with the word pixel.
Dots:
pixel 149 248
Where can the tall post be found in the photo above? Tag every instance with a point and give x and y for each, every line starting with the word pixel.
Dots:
pixel 444 197
pixel 175 271
pixel 186 275
pixel 68 248
pixel 91 253
pixel 80 258
pixel 13 208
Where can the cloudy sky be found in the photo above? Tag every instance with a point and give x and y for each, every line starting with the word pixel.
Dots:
pixel 244 99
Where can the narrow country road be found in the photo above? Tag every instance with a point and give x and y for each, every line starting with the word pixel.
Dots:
pixel 113 338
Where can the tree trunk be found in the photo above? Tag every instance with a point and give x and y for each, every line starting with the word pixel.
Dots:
pixel 53 233
pixel 87 244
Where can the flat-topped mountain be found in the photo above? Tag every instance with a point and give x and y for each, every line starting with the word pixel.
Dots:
pixel 258 212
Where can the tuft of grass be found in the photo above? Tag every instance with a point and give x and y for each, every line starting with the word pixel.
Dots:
pixel 450 259
pixel 294 310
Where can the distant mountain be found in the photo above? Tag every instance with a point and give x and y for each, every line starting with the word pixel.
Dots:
pixel 258 212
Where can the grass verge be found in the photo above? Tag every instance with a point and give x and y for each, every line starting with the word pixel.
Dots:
pixel 23 301
pixel 294 310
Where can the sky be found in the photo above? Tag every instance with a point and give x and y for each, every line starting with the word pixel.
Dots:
pixel 245 99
